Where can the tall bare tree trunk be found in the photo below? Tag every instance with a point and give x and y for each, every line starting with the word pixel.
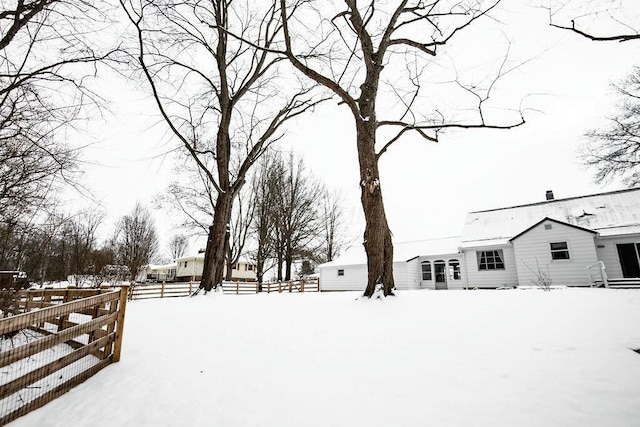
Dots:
pixel 377 236
pixel 287 268
pixel 217 242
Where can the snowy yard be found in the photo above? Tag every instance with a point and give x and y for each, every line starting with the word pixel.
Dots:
pixel 453 358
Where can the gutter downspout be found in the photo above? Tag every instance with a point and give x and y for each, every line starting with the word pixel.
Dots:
pixel 464 262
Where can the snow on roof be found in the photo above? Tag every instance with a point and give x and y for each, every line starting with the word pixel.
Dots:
pixel 161 266
pixel 402 251
pixel 190 257
pixel 243 259
pixel 612 213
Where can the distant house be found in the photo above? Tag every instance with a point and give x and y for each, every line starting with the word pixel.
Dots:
pixel 190 268
pixel 158 273
pixel 576 241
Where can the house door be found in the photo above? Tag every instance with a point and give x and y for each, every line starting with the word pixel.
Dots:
pixel 629 254
pixel 440 268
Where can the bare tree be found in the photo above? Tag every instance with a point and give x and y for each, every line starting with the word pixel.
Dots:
pixel 46 55
pixel 615 151
pixel 288 222
pixel 351 52
pixel 218 95
pixel 177 246
pixel 241 218
pixel 262 226
pixel 84 227
pixel 333 223
pixel 596 20
pixel 136 239
pixel 296 213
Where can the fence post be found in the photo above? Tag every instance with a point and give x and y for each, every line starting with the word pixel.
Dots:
pixel 301 285
pixel 122 305
pixel 237 288
pixel 190 285
pixel 67 298
pixel 46 297
pixel 290 283
pixel 279 287
pixel 162 290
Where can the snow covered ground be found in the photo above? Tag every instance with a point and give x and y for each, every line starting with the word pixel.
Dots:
pixel 450 358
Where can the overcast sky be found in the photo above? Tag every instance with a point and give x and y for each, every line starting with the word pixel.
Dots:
pixel 563 86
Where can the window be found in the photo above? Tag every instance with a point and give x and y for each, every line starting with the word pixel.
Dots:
pixel 559 250
pixel 490 260
pixel 340 272
pixel 250 267
pixel 426 270
pixel 185 264
pixel 454 269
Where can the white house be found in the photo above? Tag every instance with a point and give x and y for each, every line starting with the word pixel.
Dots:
pixel 567 239
pixel 421 264
pixel 158 273
pixel 190 268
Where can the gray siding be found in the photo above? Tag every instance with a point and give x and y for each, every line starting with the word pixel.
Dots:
pixel 404 275
pixel 609 253
pixel 354 279
pixel 477 278
pixel 532 251
pixel 414 273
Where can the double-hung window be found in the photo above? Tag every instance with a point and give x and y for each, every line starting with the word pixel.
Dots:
pixel 426 270
pixel 490 260
pixel 559 250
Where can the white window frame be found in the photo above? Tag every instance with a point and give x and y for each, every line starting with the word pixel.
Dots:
pixel 495 254
pixel 453 271
pixel 560 250
pixel 422 271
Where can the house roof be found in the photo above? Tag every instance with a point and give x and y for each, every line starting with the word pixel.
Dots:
pixel 612 213
pixel 190 257
pixel 243 259
pixel 161 266
pixel 552 220
pixel 402 251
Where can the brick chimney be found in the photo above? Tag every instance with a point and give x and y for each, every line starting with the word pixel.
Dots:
pixel 549 194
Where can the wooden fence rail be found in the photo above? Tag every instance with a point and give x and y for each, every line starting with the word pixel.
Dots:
pixel 182 289
pixel 162 290
pixel 246 288
pixel 55 339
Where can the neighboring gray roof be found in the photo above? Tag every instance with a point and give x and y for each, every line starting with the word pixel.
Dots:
pixel 612 213
pixel 402 251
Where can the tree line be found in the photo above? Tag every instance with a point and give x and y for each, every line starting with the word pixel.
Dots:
pixel 62 247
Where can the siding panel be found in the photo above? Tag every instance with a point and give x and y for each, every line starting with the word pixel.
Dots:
pixel 491 278
pixel 533 254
